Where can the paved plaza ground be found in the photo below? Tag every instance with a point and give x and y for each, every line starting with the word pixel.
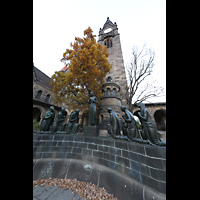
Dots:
pixel 54 193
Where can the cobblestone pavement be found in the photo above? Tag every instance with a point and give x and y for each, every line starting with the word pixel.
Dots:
pixel 54 193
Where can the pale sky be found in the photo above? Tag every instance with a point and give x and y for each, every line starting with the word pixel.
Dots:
pixel 57 22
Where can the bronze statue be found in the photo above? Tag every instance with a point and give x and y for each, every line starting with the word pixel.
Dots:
pixel 48 120
pixel 129 127
pixel 92 121
pixel 130 123
pixel 124 126
pixel 113 127
pixel 59 124
pixel 73 125
pixel 149 128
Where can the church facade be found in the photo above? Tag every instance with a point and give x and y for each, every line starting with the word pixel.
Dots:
pixel 42 95
pixel 114 88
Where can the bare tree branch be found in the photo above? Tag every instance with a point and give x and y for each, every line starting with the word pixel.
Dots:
pixel 139 69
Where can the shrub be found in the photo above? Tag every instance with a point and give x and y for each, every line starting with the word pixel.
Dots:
pixel 36 125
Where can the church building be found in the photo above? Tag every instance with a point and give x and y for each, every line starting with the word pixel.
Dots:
pixel 114 88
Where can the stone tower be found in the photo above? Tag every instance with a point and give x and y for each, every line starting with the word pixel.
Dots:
pixel 115 81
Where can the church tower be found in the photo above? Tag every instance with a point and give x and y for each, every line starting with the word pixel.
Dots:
pixel 115 82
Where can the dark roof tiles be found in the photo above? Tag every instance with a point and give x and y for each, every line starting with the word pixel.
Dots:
pixel 42 78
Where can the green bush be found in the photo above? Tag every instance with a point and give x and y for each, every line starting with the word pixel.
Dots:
pixel 36 125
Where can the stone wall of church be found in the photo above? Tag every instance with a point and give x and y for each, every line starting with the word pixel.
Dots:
pixel 45 91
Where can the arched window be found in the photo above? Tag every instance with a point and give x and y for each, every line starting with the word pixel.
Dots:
pixel 47 98
pixel 38 95
pixel 108 92
pixel 114 92
pixel 101 118
pixel 160 119
pixel 36 114
pixel 103 92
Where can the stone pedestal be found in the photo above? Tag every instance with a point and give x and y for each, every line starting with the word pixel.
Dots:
pixel 90 131
pixel 162 135
pixel 103 133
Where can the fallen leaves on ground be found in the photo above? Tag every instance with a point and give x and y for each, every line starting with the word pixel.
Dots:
pixel 88 190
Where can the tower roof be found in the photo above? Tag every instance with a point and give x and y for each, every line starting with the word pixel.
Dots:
pixel 112 30
pixel 108 22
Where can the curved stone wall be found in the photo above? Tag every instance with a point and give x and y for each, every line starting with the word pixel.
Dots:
pixel 121 186
pixel 144 164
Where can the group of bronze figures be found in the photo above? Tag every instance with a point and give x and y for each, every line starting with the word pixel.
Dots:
pixel 49 125
pixel 148 134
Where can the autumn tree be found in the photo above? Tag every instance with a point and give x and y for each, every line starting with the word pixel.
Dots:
pixel 87 66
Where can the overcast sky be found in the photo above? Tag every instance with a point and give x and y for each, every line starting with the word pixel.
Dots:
pixel 57 22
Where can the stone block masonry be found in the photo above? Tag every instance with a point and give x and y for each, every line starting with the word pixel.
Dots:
pixel 143 163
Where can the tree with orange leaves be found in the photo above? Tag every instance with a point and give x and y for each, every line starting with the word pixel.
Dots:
pixel 86 70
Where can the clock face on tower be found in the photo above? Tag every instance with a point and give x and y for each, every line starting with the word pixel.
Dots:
pixel 108 30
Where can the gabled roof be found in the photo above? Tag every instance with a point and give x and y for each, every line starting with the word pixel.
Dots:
pixel 42 78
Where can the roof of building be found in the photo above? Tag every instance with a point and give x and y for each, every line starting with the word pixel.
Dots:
pixel 108 22
pixel 64 68
pixel 42 78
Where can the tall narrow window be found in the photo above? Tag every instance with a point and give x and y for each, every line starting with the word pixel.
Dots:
pixel 114 92
pixel 47 98
pixel 108 92
pixel 103 92
pixel 108 42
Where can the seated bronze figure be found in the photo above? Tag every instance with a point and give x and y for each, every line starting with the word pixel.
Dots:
pixel 59 124
pixel 149 128
pixel 129 126
pixel 73 125
pixel 130 123
pixel 48 120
